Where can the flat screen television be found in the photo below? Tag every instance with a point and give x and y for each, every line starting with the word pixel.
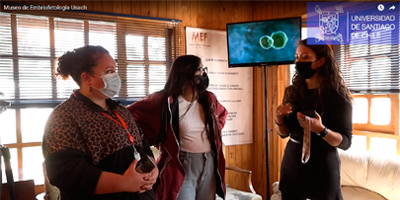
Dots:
pixel 267 42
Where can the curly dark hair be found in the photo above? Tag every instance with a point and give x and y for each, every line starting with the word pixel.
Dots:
pixel 83 59
pixel 330 78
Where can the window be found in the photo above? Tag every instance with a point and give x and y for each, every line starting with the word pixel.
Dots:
pixel 376 113
pixel 143 49
pixel 372 74
pixel 370 68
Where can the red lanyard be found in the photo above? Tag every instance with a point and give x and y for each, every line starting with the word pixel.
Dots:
pixel 121 122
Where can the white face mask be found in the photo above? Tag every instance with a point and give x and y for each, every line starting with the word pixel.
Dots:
pixel 112 84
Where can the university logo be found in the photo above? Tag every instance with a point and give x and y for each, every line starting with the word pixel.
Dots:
pixel 329 25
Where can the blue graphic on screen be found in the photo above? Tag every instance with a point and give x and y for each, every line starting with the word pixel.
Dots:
pixel 353 22
pixel 263 42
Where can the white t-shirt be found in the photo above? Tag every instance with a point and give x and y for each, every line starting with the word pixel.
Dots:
pixel 192 129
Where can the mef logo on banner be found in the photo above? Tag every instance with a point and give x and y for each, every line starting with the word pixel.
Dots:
pixel 199 37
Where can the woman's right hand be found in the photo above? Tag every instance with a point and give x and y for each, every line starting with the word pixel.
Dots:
pixel 281 111
pixel 136 180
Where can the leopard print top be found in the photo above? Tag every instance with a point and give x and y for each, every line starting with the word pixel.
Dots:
pixel 75 124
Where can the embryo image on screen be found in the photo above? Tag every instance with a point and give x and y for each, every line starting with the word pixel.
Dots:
pixel 263 42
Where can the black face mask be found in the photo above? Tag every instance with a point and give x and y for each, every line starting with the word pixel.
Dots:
pixel 304 69
pixel 202 82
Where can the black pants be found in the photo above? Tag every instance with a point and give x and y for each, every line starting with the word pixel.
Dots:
pixel 290 196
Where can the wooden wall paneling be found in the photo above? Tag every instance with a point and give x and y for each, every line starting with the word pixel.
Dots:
pixel 117 7
pixel 135 7
pixel 258 4
pixel 108 6
pixel 186 17
pixel 273 139
pixel 153 8
pixel 126 7
pixel 198 14
pixel 247 160
pixel 215 14
pixel 227 13
pixel 287 6
pixel 242 153
pixel 239 177
pixel 268 11
pixel 275 10
pixel 211 13
pixel 277 87
pixel 295 5
pixel 144 8
pixel 276 75
pixel 185 7
pixel 162 9
pixel 241 13
pixel 281 7
pixel 178 15
pixel 259 132
pixel 234 15
pixel 178 9
pixel 257 15
pixel 79 3
pixel 230 158
pixel 95 5
pixel 170 9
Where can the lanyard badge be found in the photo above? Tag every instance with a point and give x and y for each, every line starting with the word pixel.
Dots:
pixel 136 153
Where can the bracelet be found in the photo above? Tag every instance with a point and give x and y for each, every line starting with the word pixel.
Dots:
pixel 279 123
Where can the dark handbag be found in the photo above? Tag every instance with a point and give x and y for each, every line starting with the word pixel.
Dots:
pixel 20 190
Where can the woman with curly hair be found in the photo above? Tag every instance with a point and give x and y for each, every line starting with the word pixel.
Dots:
pixel 91 143
pixel 317 115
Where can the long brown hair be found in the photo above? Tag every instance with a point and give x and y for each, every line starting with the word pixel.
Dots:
pixel 182 72
pixel 330 77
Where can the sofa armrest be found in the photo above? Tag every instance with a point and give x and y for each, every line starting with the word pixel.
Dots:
pixel 244 171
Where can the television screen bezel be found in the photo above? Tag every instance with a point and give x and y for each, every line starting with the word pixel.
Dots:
pixel 260 63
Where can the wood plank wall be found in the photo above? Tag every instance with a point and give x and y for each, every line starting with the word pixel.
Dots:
pixel 215 15
pixel 276 82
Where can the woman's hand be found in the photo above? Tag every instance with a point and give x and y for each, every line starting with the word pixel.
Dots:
pixel 152 177
pixel 281 111
pixel 136 181
pixel 316 122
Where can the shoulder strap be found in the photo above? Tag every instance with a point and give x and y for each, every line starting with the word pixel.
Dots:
pixel 10 179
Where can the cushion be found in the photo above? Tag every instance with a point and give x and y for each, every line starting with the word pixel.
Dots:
pixel 378 173
pixel 359 193
pixel 234 194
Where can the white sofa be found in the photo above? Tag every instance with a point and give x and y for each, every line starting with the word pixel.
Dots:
pixel 365 176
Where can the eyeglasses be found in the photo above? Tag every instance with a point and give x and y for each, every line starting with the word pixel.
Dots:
pixel 203 70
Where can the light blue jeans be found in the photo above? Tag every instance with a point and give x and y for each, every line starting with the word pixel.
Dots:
pixel 199 183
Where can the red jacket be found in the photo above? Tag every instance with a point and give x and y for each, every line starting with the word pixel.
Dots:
pixel 157 115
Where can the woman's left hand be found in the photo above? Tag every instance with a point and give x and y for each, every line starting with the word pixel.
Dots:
pixel 316 122
pixel 153 175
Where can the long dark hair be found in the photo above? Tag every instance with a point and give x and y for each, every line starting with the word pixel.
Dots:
pixel 182 72
pixel 83 59
pixel 329 77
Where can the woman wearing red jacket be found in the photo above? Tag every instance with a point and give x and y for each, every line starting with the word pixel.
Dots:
pixel 184 121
